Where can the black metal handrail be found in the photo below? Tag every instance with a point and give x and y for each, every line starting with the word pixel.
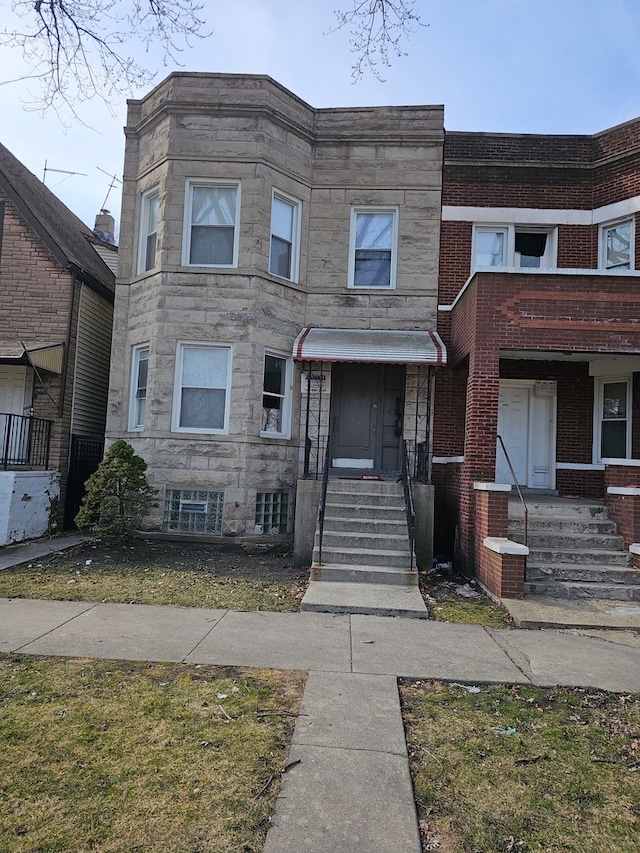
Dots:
pixel 518 489
pixel 323 498
pixel 24 441
pixel 408 498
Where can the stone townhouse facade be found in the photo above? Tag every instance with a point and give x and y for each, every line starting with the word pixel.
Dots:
pixel 56 305
pixel 276 297
pixel 539 275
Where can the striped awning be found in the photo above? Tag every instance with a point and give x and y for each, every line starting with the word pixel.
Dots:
pixel 374 346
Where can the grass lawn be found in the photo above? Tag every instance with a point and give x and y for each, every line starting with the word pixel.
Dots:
pixel 182 574
pixel 110 756
pixel 523 768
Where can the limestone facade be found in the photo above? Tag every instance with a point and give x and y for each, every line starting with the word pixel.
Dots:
pixel 248 134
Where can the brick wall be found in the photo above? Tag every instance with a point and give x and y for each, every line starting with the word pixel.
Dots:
pixel 35 297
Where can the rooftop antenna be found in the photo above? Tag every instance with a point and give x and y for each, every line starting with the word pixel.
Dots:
pixel 114 178
pixel 60 171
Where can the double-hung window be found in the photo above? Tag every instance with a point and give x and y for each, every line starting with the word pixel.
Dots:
pixel 212 212
pixel 513 246
pixel 616 246
pixel 613 408
pixel 373 247
pixel 202 388
pixel 148 242
pixel 138 397
pixel 284 248
pixel 276 396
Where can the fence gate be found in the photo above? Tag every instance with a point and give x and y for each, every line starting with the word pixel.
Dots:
pixel 85 456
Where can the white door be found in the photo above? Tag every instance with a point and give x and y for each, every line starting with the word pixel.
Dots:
pixel 526 422
pixel 513 427
pixel 13 400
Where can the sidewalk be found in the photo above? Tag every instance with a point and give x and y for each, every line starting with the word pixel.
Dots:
pixel 348 786
pixel 351 790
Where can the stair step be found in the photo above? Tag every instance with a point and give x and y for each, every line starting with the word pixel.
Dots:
pixel 364 557
pixel 548 556
pixel 388 542
pixel 364 500
pixel 574 541
pixel 345 573
pixel 356 486
pixel 350 510
pixel 385 526
pixel 575 525
pixel 564 509
pixel 581 573
pixel 571 589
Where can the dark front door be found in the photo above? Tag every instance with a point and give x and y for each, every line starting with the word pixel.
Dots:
pixel 366 418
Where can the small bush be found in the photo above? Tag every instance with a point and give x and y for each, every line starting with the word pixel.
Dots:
pixel 118 496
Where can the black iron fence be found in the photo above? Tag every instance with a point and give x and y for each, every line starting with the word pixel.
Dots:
pixel 24 442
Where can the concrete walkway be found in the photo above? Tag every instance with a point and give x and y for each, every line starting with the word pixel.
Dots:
pixel 347 786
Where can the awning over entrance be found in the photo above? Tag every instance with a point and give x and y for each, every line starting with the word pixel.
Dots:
pixel 40 354
pixel 376 346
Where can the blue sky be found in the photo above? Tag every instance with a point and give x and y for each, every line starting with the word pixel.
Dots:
pixel 513 66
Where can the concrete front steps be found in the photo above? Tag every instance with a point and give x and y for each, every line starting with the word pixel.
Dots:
pixel 574 550
pixel 366 559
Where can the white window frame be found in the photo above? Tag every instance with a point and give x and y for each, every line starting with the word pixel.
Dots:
pixel 509 255
pixel 136 352
pixel 286 397
pixel 601 381
pixel 602 244
pixel 177 388
pixel 296 204
pixel 145 233
pixel 190 185
pixel 364 209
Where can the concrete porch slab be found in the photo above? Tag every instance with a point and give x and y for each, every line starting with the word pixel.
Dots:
pixel 539 611
pixel 364 598
pixel 569 659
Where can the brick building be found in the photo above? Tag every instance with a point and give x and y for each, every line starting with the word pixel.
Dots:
pixel 56 306
pixel 539 312
pixel 277 294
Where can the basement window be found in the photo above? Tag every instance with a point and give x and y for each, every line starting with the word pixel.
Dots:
pixel 272 513
pixel 193 511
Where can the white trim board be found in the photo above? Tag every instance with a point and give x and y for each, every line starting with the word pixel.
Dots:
pixel 533 216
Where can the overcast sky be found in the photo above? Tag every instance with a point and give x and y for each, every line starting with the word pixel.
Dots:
pixel 514 66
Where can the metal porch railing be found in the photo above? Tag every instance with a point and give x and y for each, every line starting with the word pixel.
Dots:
pixel 24 441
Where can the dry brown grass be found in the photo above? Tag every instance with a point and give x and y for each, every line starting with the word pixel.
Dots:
pixel 119 757
pixel 524 769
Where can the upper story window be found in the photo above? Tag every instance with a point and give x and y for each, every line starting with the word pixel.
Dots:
pixel 513 246
pixel 276 396
pixel 138 396
pixel 616 246
pixel 211 224
pixel 284 249
pixel 202 388
pixel 373 247
pixel 148 241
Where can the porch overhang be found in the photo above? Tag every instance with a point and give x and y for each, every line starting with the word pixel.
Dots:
pixel 41 354
pixel 371 346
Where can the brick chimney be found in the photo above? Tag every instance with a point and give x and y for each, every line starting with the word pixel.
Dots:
pixel 105 227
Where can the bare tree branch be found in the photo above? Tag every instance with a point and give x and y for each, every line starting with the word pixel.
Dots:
pixel 379 29
pixel 77 48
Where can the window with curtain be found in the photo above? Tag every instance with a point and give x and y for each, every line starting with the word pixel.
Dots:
pixel 202 388
pixel 212 223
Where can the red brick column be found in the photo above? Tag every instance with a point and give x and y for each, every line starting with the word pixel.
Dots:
pixel 623 503
pixel 500 563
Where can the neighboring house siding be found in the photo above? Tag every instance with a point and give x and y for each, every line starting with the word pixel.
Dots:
pixel 93 349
